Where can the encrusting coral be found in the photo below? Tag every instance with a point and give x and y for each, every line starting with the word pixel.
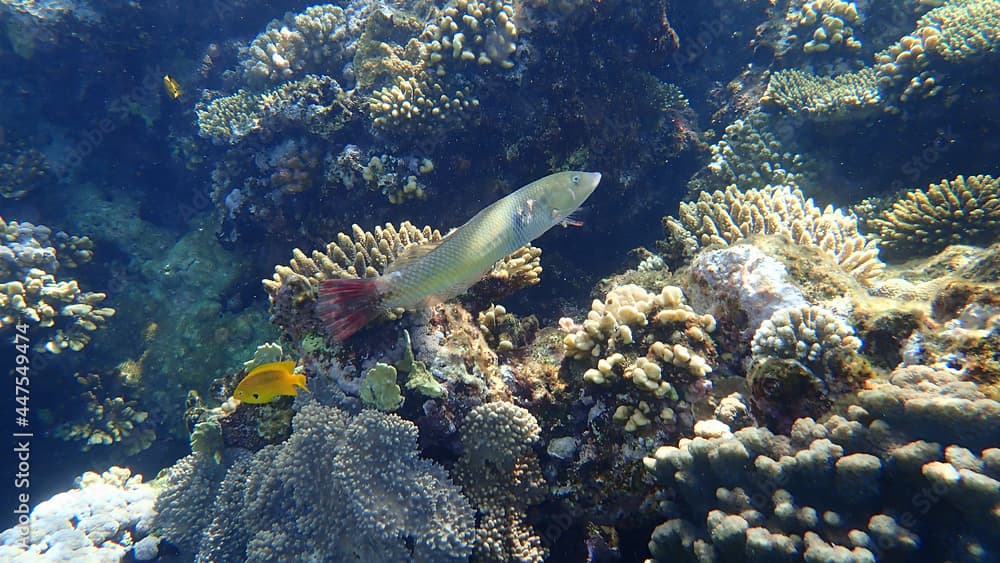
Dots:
pixel 30 293
pixel 340 487
pixel 726 217
pixel 965 210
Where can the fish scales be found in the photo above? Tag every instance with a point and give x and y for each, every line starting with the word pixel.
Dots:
pixel 462 257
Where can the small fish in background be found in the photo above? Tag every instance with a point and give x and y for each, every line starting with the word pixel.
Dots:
pixel 267 381
pixel 172 87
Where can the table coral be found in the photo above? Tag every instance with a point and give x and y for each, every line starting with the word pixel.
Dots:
pixel 725 217
pixel 847 96
pixel 336 480
pixel 31 293
pixel 960 32
pixel 959 211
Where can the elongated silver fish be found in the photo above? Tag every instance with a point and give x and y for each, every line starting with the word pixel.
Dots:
pixel 439 271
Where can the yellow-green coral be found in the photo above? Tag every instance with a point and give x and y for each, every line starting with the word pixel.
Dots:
pixel 960 31
pixel 851 95
pixel 959 211
pixel 830 24
pixel 314 102
pixel 379 388
pixel 725 217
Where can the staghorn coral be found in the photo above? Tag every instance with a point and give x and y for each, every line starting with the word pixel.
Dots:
pixel 112 416
pixel 499 473
pixel 334 489
pixel 30 293
pixel 847 96
pixel 959 211
pixel 960 32
pixel 726 217
pixel 848 488
pixel 316 103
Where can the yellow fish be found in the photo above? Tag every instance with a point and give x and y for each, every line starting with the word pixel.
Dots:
pixel 172 87
pixel 267 381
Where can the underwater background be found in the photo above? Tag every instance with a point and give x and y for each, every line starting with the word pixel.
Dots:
pixel 773 338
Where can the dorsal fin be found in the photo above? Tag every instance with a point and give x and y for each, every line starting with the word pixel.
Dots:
pixel 410 254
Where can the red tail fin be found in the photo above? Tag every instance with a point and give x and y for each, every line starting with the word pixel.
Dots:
pixel 347 305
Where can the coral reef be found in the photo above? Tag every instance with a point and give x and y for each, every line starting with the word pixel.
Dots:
pixel 314 103
pixel 318 40
pixel 959 211
pixel 107 517
pixel 829 24
pixel 748 156
pixel 499 473
pixel 30 292
pixel 847 96
pixel 726 217
pixel 293 288
pixel 113 415
pixel 850 488
pixel 22 169
pixel 958 33
pixel 355 488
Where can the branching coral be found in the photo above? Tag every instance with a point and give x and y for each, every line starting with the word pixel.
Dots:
pixel 958 32
pixel 844 489
pixel 829 25
pixel 725 217
pixel 339 487
pixel 316 103
pixel 852 95
pixel 112 417
pixel 30 292
pixel 318 40
pixel 500 475
pixel 293 289
pixel 749 156
pixel 959 211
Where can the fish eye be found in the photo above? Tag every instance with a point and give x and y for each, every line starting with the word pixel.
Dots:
pixel 576 178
